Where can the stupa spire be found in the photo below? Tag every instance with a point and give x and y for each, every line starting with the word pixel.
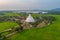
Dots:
pixel 29 19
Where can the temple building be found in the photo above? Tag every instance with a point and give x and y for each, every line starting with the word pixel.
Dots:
pixel 30 19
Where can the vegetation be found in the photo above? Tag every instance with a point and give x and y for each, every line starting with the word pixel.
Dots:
pixel 49 32
pixel 7 25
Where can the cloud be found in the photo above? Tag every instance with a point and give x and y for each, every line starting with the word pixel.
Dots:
pixel 29 4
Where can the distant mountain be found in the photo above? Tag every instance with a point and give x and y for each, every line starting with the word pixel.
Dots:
pixel 56 10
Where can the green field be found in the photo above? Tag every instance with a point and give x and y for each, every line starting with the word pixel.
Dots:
pixel 7 25
pixel 50 32
pixel 11 14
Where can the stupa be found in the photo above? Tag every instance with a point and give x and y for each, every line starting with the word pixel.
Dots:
pixel 30 19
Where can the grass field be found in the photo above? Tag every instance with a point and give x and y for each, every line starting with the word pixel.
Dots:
pixel 50 32
pixel 6 25
pixel 11 14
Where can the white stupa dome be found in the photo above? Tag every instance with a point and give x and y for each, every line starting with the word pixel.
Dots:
pixel 30 19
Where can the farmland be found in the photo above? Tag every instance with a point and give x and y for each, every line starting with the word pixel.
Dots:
pixel 50 32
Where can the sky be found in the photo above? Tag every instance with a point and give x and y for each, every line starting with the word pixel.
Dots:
pixel 29 4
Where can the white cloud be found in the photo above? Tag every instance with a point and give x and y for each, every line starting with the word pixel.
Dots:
pixel 28 4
